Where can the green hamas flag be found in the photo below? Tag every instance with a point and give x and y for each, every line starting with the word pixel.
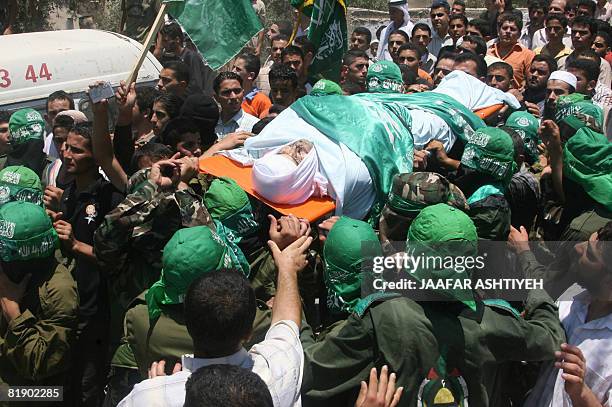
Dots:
pixel 327 32
pixel 220 29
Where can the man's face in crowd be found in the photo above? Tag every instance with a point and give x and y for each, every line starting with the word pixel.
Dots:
pixel 421 37
pixel 467 46
pixel 600 46
pixel 190 145
pixel 273 32
pixel 456 28
pixel 359 42
pixel 168 82
pixel 4 135
pixel 498 78
pixel 439 19
pixel 410 58
pixel 283 92
pixel 458 9
pixel 443 68
pixel 582 37
pixel 374 48
pixel 296 62
pixel 536 17
pixel 78 157
pixel 588 265
pixel 60 135
pixel 537 76
pixel 395 41
pixel 583 85
pixel 357 70
pixel 554 31
pixel 230 96
pixel 397 16
pixel 469 67
pixel 473 30
pixel 557 6
pixel 556 88
pixel 159 118
pixel 54 107
pixel 508 33
pixel 239 68
pixel 171 45
pixel 277 49
pixel 583 10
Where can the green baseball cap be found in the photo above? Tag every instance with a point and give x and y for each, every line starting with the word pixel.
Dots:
pixel 25 125
pixel 26 232
pixel 577 111
pixel 187 255
pixel 526 125
pixel 490 151
pixel 229 204
pixel 18 183
pixel 384 77
pixel 325 87
pixel 348 243
pixel 442 231
pixel 587 160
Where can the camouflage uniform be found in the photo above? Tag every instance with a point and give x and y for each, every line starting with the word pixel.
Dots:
pixel 409 194
pixel 139 16
pixel 129 243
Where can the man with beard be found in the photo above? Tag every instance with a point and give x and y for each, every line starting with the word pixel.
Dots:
pixel 560 83
pixel 586 315
pixel 535 87
pixel 400 20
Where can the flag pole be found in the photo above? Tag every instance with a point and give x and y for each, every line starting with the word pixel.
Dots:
pixel 157 24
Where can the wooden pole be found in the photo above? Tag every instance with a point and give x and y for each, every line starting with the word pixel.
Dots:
pixel 159 21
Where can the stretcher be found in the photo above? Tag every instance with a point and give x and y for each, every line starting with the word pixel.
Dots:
pixel 314 208
pixel 219 166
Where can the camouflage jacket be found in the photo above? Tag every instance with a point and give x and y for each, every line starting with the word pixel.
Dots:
pixel 130 241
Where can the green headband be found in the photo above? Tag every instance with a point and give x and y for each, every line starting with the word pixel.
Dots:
pixel 490 151
pixel 26 232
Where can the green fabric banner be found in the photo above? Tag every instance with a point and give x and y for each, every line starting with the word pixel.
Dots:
pixel 220 29
pixel 327 32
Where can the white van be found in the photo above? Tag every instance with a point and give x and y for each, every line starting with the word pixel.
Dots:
pixel 34 65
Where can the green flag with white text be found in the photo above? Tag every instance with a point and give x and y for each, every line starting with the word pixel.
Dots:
pixel 219 28
pixel 327 32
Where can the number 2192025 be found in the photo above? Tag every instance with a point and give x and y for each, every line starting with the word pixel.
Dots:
pixel 30 75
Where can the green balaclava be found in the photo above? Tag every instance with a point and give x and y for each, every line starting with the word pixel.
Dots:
pixel 349 243
pixel 526 125
pixel 189 253
pixel 577 111
pixel 26 232
pixel 490 151
pixel 229 204
pixel 587 160
pixel 446 233
pixel 25 125
pixel 325 87
pixel 384 77
pixel 18 183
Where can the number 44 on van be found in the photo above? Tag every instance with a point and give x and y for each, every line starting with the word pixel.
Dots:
pixel 30 75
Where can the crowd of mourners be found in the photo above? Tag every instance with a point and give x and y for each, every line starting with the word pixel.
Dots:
pixel 129 277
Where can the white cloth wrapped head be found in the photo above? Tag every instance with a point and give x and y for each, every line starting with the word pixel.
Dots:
pixel 277 178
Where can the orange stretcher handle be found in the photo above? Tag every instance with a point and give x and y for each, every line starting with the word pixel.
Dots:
pixel 488 111
pixel 220 166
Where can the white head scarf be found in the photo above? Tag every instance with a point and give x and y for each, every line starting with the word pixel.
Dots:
pixel 383 52
pixel 279 180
